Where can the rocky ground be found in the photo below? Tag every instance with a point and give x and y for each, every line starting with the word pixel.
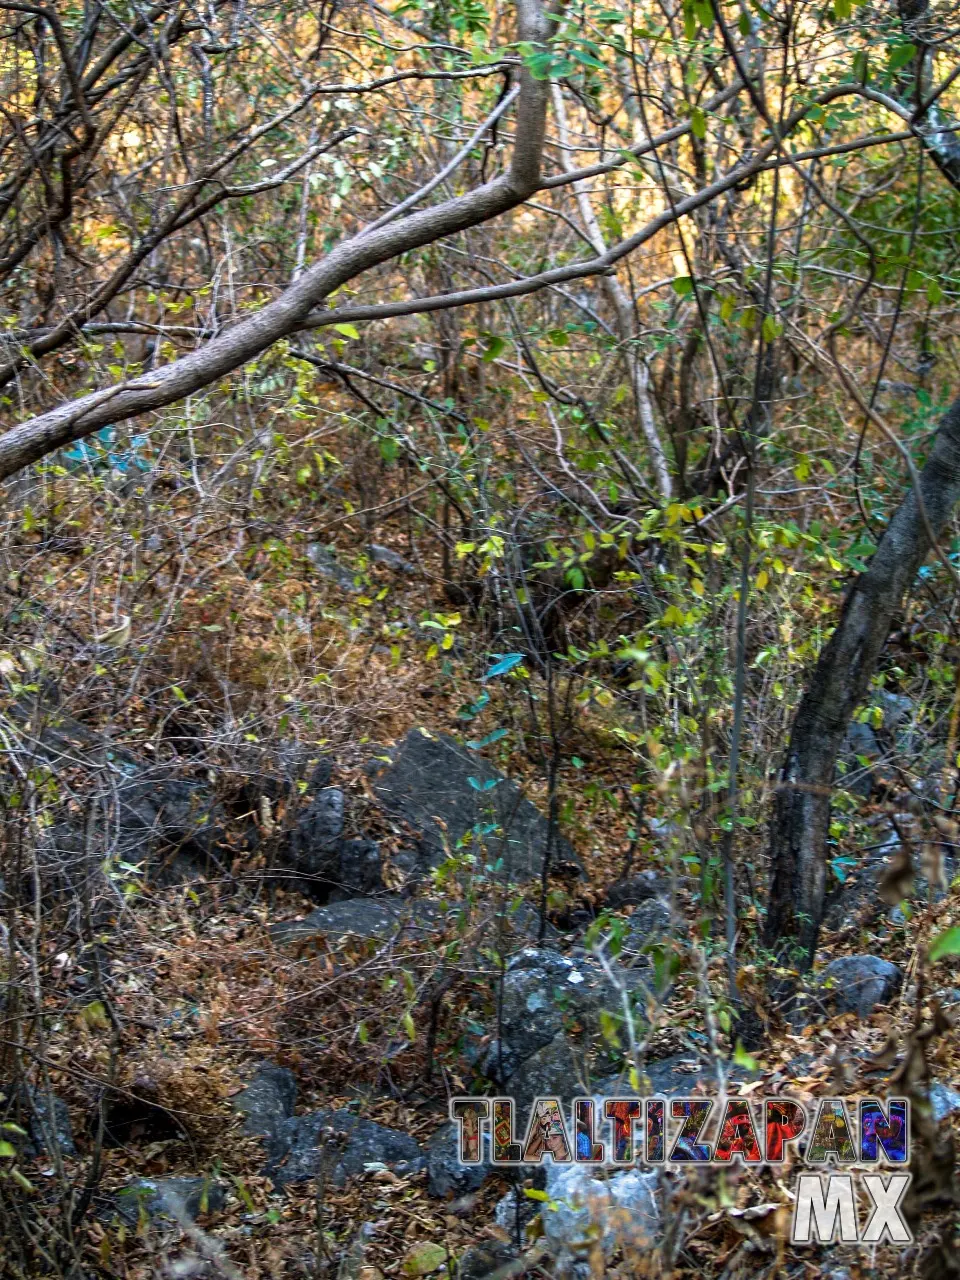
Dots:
pixel 254 1054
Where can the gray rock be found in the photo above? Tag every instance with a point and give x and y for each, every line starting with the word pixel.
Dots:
pixel 315 845
pixel 485 1259
pixel 516 1209
pixel 897 709
pixel 679 1075
pixel 328 566
pixel 364 917
pixel 176 1199
pixel 890 387
pixel 553 1071
pixel 446 1176
pixel 852 775
pixel 944 1101
pixel 619 1212
pixel 44 1116
pixel 627 893
pixel 389 559
pixel 268 1099
pixel 155 814
pixel 857 984
pixel 543 990
pixel 518 925
pixel 175 819
pixel 339 1142
pixel 353 1263
pixel 361 870
pixel 50 1124
pixel 858 896
pixel 427 783
pixel 650 921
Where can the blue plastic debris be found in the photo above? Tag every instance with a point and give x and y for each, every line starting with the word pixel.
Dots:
pixel 95 452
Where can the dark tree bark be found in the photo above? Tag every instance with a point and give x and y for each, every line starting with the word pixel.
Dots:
pixel 801 814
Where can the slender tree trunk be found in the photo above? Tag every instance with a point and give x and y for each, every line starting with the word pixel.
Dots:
pixel 801 814
pixel 623 310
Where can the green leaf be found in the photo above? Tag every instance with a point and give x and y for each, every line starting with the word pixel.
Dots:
pixel 772 328
pixel 743 1059
pixel 946 944
pixel 900 55
pixel 179 694
pixel 348 330
pixel 683 286
pixel 424 1258
pixel 494 345
pixel 698 123
pixel 934 292
pixel 7 1148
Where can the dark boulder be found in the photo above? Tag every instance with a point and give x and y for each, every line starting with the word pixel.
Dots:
pixel 446 1176
pixel 363 917
pixel 544 991
pixel 268 1100
pixel 636 889
pixel 338 1143
pixel 389 559
pixel 44 1118
pixel 489 1258
pixel 173 1199
pixel 857 984
pixel 553 1071
pixel 324 560
pixel 360 870
pixel 445 791
pixel 315 842
pixel 649 922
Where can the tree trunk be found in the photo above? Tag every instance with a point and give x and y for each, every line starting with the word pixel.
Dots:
pixel 801 815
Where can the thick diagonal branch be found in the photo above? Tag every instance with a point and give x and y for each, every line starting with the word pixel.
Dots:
pixel 32 440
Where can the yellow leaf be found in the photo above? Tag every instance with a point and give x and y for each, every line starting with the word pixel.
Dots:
pixel 95 1015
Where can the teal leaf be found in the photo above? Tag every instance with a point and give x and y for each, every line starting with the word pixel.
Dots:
pixel 507 662
pixel 495 736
